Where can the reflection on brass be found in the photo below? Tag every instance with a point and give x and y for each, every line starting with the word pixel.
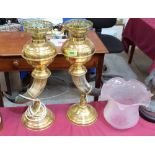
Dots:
pixel 37 116
pixel 78 50
pixel 39 53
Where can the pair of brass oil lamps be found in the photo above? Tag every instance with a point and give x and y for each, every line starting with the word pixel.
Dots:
pixel 78 50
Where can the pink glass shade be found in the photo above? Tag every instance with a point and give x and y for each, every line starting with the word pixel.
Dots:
pixel 124 99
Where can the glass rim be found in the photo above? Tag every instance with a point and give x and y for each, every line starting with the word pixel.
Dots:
pixel 32 24
pixel 70 24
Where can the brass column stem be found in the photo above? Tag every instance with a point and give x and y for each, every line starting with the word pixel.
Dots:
pixel 36 105
pixel 83 100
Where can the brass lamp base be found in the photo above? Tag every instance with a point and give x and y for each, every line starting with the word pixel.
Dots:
pixel 82 114
pixel 38 121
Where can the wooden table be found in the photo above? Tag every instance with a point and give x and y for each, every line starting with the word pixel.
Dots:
pixel 11 45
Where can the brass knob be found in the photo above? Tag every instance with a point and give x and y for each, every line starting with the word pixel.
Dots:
pixel 16 63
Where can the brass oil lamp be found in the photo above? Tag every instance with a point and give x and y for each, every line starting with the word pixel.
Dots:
pixel 39 53
pixel 78 50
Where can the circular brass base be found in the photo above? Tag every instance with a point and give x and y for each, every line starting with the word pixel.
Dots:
pixel 82 115
pixel 34 123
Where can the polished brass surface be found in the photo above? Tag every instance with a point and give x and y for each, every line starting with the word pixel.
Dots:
pixel 39 53
pixel 82 113
pixel 78 50
pixel 37 121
